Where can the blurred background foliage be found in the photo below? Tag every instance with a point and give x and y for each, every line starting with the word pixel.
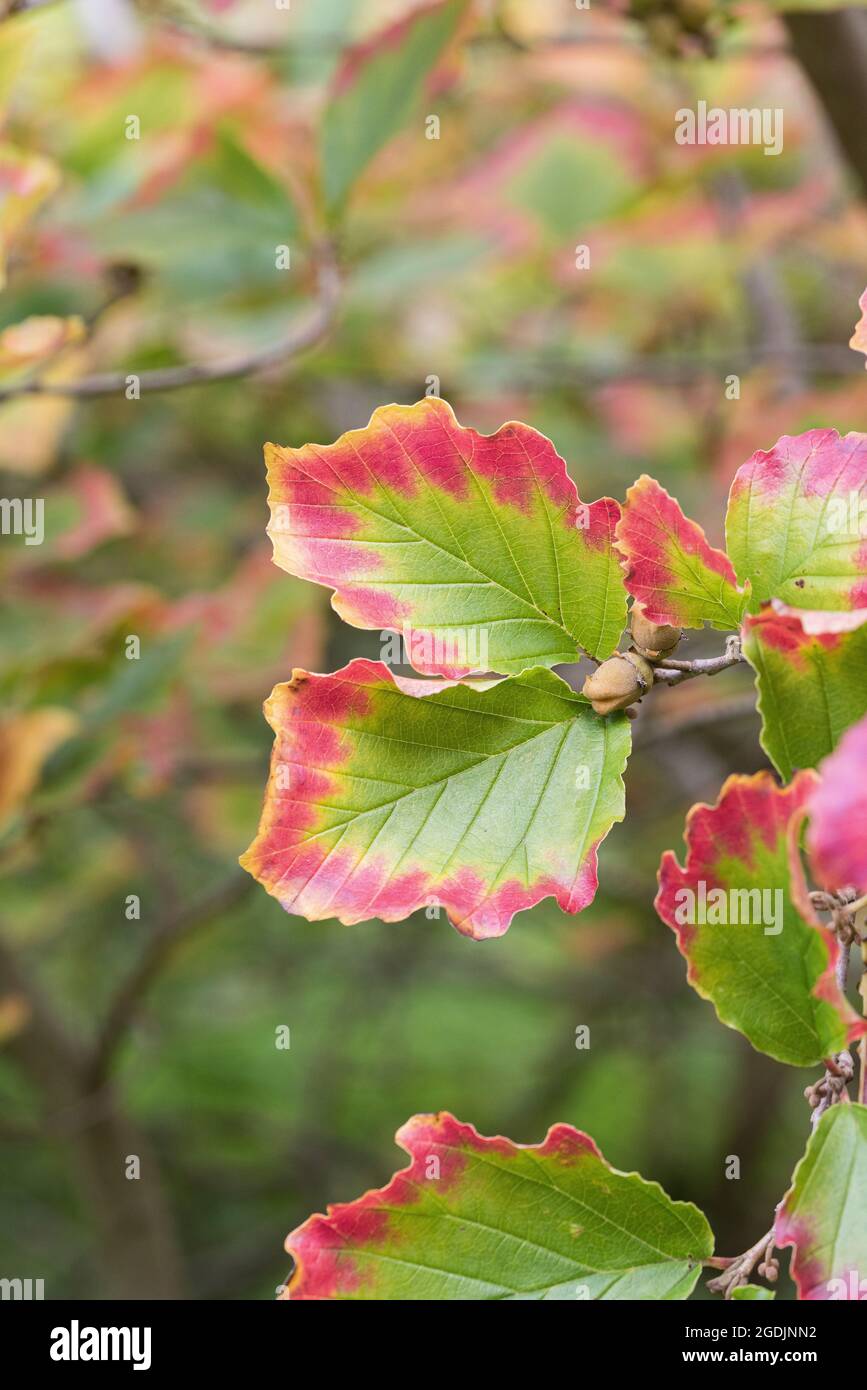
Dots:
pixel 156 1036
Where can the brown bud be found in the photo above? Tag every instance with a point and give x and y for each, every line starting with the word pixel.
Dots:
pixel 665 33
pixel 618 682
pixel 694 14
pixel 652 640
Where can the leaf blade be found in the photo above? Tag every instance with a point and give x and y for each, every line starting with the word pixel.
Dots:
pixel 475 546
pixel 477 1218
pixel 809 676
pixel 671 570
pixel 824 1213
pixel 838 813
pixel 408 794
pixel 793 525
pixel 376 88
pixel 775 987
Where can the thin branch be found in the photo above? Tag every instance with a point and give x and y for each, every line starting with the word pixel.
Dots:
pixel 632 41
pixel 44 1050
pixel 832 1088
pixel 842 967
pixel 857 906
pixel 832 50
pixel 674 672
pixel 304 333
pixel 176 928
pixel 737 1271
pixel 137 1254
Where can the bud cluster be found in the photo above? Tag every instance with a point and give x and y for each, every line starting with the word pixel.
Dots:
pixel 625 677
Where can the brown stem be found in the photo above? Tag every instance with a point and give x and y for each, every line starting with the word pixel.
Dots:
pixel 737 1270
pixel 674 672
pixel 164 941
pixel 832 50
pixel 304 332
pixel 137 1253
pixel 832 1088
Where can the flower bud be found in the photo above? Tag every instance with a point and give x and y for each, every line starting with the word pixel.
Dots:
pixel 618 682
pixel 652 640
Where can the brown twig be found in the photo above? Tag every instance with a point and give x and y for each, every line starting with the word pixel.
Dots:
pixel 137 1252
pixel 674 672
pixel 304 333
pixel 737 1270
pixel 832 1088
pixel 176 928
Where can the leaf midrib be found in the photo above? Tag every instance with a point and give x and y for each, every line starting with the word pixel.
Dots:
pixel 435 545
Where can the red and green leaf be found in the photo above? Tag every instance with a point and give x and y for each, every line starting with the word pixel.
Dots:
pixel 824 1213
pixel 794 525
pixel 771 976
pixel 473 1218
pixel 26 180
pixel 36 340
pixel 671 570
pixel 475 546
pixel 858 341
pixel 837 835
pixel 377 87
pixel 810 680
pixel 388 795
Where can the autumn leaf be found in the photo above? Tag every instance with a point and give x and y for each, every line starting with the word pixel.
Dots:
pixel 473 1218
pixel 767 971
pixel 858 341
pixel 810 680
pixel 836 838
pixel 35 340
pixel 388 795
pixel 475 546
pixel 793 527
pixel 671 570
pixel 26 741
pixel 376 89
pixel 26 180
pixel 824 1213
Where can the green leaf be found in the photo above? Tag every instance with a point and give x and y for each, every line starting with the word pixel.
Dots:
pixel 215 232
pixel 474 546
pixel 810 679
pixel 794 523
pixel 377 88
pixel 566 184
pixel 753 1293
pixel 388 795
pixel 824 1213
pixel 671 570
pixel 474 1218
pixel 767 972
